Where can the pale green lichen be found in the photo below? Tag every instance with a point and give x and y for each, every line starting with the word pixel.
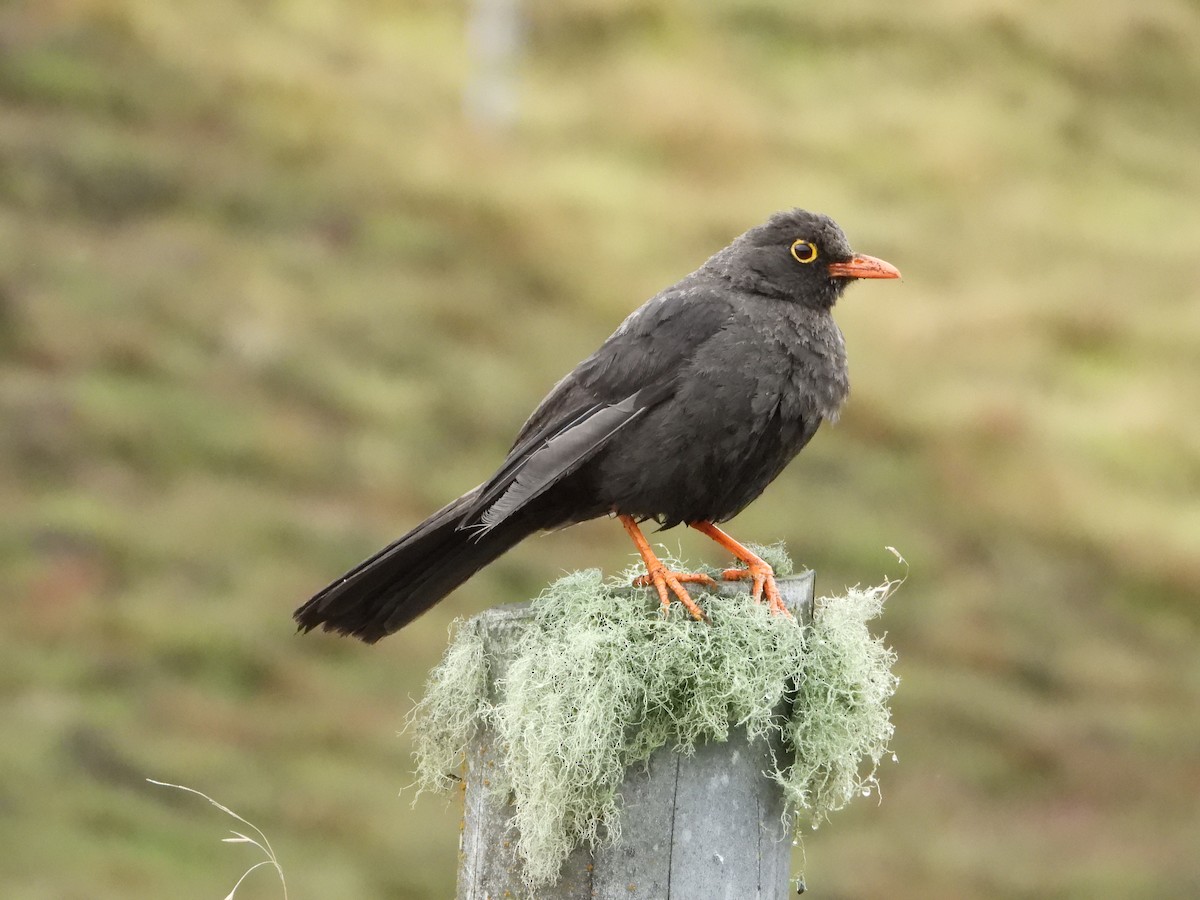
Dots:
pixel 599 681
pixel 454 706
pixel 840 715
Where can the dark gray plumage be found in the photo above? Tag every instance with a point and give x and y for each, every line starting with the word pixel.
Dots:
pixel 684 415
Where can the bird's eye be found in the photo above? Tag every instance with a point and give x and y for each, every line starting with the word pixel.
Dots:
pixel 804 251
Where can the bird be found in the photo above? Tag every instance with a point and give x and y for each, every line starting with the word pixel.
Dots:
pixel 684 415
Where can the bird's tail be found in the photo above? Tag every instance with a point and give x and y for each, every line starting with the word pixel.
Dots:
pixel 407 577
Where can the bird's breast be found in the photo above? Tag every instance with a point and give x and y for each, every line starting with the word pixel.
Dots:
pixel 803 362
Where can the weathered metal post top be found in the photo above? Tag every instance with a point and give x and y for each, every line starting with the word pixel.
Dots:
pixel 706 826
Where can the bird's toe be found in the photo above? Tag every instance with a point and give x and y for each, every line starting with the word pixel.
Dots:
pixel 666 583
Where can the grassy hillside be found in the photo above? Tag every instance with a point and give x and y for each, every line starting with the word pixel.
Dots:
pixel 266 299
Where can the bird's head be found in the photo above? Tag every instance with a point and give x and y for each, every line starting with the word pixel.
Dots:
pixel 799 256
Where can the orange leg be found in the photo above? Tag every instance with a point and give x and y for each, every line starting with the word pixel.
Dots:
pixel 661 577
pixel 756 568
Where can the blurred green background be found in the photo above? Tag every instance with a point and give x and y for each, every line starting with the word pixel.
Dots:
pixel 269 295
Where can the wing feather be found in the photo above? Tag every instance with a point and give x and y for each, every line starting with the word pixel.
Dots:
pixel 560 456
pixel 634 370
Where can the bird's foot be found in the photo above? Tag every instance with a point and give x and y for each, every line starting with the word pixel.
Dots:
pixel 757 569
pixel 664 580
pixel 763 583
pixel 667 582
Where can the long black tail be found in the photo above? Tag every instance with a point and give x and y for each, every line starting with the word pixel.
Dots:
pixel 404 579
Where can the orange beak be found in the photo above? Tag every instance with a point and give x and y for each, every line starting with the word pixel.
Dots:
pixel 863 267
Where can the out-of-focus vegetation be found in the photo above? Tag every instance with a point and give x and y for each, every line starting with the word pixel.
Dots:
pixel 266 299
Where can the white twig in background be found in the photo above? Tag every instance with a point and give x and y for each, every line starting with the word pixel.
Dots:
pixel 238 838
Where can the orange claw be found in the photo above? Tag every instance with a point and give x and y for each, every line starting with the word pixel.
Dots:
pixel 665 581
pixel 697 577
pixel 756 568
pixel 764 583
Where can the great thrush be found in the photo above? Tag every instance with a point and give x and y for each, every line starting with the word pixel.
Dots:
pixel 684 415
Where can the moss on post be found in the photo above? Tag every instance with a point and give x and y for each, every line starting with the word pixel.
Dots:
pixel 595 680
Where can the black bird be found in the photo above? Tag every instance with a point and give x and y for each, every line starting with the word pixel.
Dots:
pixel 684 415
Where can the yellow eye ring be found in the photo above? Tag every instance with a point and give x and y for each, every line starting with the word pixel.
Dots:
pixel 804 251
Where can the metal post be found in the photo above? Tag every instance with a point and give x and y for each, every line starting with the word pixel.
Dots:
pixel 705 826
pixel 494 33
